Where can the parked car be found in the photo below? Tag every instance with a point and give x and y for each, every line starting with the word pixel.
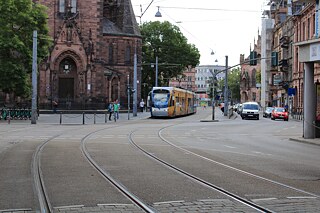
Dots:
pixel 250 110
pixel 267 112
pixel 280 113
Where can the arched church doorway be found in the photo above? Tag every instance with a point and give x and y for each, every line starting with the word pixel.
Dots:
pixel 66 80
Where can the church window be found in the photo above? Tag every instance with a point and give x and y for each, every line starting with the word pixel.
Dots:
pixel 74 6
pixel 63 4
pixel 111 54
pixel 128 55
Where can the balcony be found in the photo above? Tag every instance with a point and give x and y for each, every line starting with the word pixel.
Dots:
pixel 284 41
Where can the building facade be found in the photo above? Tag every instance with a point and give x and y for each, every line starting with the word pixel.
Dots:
pixel 203 78
pixel 91 61
pixel 186 80
pixel 250 81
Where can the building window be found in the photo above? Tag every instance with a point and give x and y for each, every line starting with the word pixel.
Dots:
pixel 128 55
pixel 74 6
pixel 110 54
pixel 63 6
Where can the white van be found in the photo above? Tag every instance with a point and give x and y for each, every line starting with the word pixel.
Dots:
pixel 250 110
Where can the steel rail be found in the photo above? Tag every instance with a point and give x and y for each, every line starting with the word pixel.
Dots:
pixel 206 183
pixel 107 176
pixel 44 202
pixel 233 168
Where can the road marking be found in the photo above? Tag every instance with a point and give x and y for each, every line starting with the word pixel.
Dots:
pixel 302 197
pixel 168 202
pixel 69 207
pixel 231 147
pixel 264 199
pixel 115 204
pixel 257 152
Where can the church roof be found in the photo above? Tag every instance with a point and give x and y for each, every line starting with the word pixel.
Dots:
pixel 127 24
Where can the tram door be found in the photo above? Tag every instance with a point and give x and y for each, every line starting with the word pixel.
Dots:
pixel 66 88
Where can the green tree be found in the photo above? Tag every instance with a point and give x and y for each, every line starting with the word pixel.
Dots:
pixel 174 53
pixel 18 20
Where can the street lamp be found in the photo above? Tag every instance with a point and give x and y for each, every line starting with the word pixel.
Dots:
pixel 213 92
pixel 226 93
pixel 158 14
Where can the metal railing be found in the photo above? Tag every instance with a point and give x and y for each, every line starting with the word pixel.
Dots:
pixel 297 113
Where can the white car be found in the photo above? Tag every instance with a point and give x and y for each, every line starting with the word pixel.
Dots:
pixel 250 110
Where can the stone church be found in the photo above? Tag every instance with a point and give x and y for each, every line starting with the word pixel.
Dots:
pixel 91 61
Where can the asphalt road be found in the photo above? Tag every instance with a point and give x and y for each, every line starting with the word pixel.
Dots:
pixel 254 159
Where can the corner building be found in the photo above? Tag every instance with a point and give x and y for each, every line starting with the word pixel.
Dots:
pixel 91 61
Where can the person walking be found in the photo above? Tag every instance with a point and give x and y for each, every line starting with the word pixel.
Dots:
pixel 110 110
pixel 116 107
pixel 141 105
pixel 55 106
pixel 221 105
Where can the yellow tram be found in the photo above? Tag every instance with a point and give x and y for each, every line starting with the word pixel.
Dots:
pixel 171 102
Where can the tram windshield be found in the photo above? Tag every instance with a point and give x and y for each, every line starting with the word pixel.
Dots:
pixel 161 97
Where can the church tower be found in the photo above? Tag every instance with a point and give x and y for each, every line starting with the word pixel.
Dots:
pixel 92 55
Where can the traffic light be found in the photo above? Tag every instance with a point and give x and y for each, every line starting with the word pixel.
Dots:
pixel 253 58
pixel 274 59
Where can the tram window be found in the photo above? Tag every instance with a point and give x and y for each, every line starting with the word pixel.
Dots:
pixel 161 95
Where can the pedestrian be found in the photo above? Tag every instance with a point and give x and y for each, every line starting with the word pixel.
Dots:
pixel 221 105
pixel 55 106
pixel 116 108
pixel 110 110
pixel 141 105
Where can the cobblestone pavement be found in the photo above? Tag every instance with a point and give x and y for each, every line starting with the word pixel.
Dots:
pixel 297 204
pixel 210 205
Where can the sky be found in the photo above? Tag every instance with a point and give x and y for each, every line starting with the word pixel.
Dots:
pixel 225 27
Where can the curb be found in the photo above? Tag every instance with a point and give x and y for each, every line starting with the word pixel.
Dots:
pixel 304 141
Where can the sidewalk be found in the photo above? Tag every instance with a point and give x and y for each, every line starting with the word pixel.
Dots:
pixel 78 119
pixel 218 116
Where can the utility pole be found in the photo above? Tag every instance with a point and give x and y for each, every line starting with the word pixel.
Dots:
pixel 34 114
pixel 226 93
pixel 135 93
pixel 156 71
pixel 128 93
pixel 213 92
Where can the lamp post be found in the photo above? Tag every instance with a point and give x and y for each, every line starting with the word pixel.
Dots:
pixel 213 89
pixel 156 75
pixel 128 92
pixel 34 114
pixel 213 92
pixel 156 71
pixel 135 86
pixel 226 93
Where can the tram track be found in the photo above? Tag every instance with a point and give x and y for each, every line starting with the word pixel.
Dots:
pixel 112 180
pixel 44 198
pixel 158 156
pixel 40 185
pixel 233 168
pixel 195 178
pixel 116 180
